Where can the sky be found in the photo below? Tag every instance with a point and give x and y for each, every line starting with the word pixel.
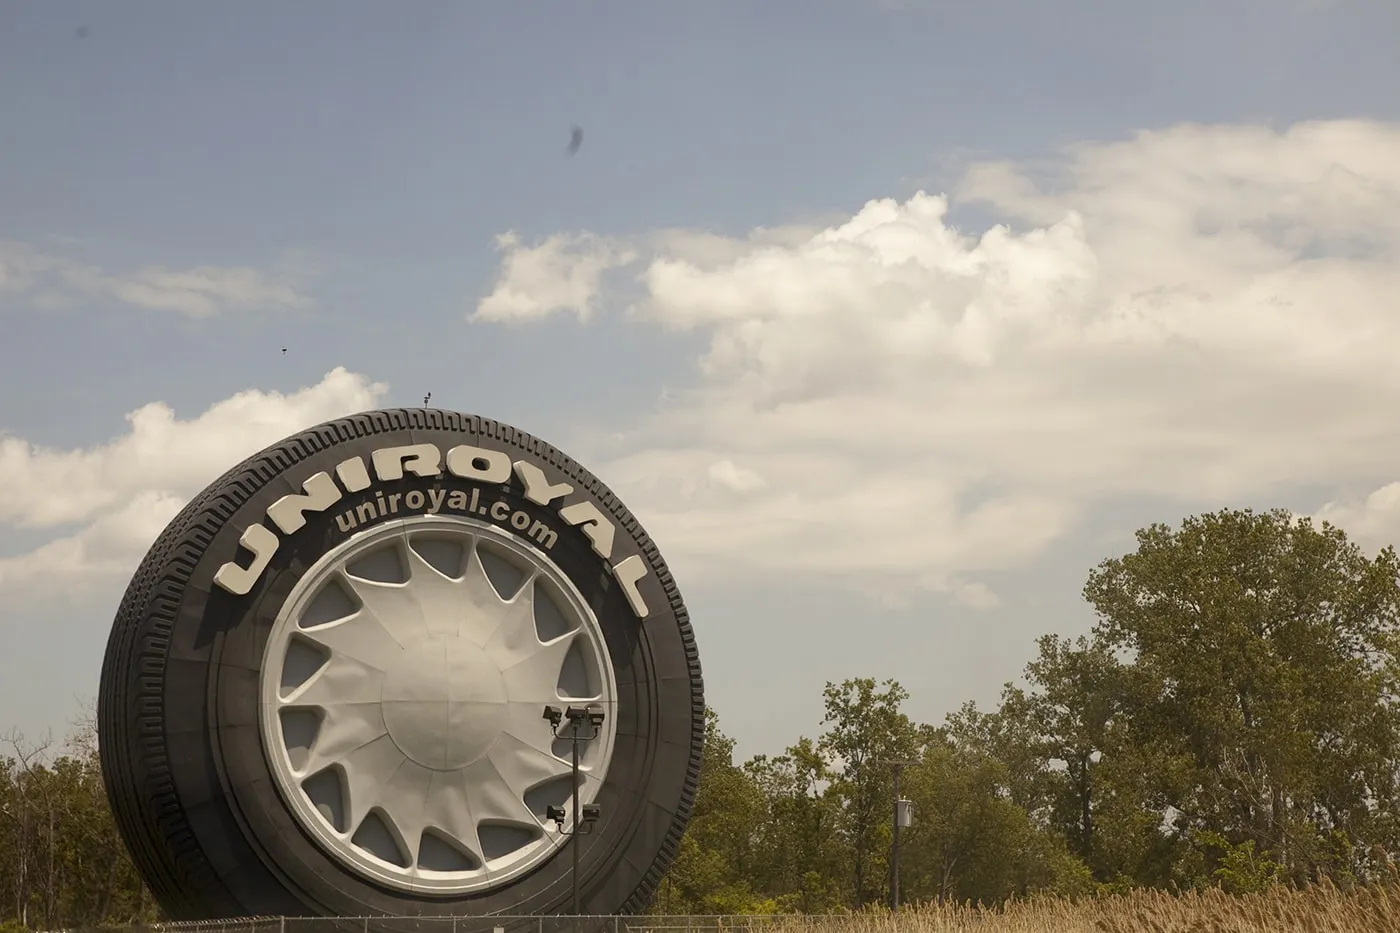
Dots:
pixel 888 318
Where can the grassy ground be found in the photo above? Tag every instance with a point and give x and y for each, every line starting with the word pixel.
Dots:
pixel 1318 910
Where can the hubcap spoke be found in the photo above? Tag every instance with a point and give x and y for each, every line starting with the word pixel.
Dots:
pixel 514 631
pixel 361 637
pixel 393 605
pixel 367 771
pixel 523 767
pixel 499 782
pixel 525 724
pixel 532 671
pixel 449 812
pixel 405 798
pixel 344 728
pixel 445 604
pixel 485 604
pixel 428 703
pixel 342 680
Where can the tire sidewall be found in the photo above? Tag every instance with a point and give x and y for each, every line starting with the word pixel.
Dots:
pixel 218 641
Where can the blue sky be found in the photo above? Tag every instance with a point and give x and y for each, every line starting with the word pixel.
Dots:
pixel 363 158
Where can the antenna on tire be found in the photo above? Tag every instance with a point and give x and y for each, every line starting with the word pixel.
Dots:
pixel 425 399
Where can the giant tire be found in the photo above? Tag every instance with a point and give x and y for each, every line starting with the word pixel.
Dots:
pixel 193 777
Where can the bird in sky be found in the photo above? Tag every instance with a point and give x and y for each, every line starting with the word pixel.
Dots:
pixel 575 139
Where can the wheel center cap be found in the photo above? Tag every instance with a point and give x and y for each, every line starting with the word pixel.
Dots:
pixel 444 703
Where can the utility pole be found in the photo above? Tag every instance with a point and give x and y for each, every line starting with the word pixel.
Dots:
pixel 901 818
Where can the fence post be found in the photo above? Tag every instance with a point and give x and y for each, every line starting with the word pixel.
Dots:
pixel 281 925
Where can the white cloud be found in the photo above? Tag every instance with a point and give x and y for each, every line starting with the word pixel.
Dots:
pixel 51 280
pixel 976 595
pixel 111 501
pixel 735 478
pixel 107 548
pixel 1205 313
pixel 562 273
pixel 204 290
pixel 1372 522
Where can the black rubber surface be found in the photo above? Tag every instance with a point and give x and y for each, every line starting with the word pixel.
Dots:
pixel 181 747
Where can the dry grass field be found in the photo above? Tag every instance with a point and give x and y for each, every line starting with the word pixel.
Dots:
pixel 1317 910
pixel 1320 909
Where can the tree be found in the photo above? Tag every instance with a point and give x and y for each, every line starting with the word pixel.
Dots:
pixel 801 853
pixel 1012 736
pixel 965 842
pixel 866 729
pixel 717 853
pixel 1264 673
pixel 1071 762
pixel 64 863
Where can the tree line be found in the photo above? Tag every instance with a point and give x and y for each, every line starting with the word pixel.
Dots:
pixel 1230 721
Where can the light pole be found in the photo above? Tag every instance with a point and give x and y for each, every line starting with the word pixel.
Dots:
pixel 901 818
pixel 583 818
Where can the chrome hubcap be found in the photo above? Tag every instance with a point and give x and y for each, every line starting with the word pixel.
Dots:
pixel 403 689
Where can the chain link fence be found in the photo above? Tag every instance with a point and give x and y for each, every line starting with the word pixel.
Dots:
pixel 490 924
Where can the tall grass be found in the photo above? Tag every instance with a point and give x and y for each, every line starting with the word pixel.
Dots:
pixel 1319 909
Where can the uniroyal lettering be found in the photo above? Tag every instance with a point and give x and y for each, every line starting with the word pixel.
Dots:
pixel 474 464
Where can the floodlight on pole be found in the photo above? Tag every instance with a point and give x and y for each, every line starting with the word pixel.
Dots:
pixel 584 816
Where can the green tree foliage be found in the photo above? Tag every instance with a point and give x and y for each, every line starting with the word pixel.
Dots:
pixel 866 729
pixel 1262 692
pixel 62 863
pixel 721 850
pixel 818 838
pixel 1230 721
pixel 969 840
pixel 801 850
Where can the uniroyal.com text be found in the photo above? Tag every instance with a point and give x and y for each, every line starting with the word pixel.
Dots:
pixel 434 500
